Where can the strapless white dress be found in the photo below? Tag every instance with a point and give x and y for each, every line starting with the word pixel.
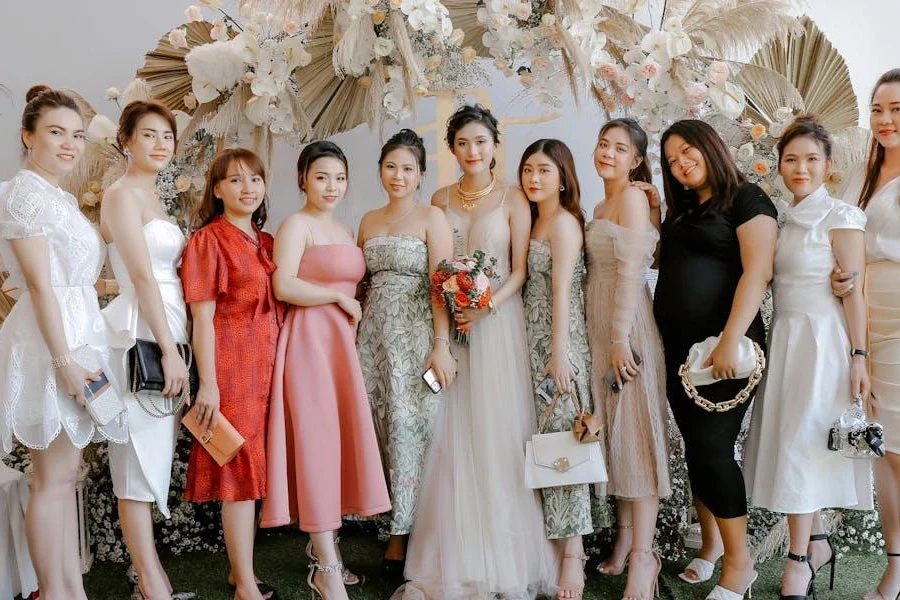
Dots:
pixel 142 469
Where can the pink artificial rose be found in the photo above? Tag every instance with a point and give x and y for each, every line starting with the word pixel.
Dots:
pixel 695 93
pixel 650 68
pixel 178 38
pixel 609 71
pixel 193 13
pixel 718 72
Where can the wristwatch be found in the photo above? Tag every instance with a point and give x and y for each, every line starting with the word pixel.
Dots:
pixel 859 352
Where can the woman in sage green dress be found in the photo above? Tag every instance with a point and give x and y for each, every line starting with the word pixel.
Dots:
pixel 399 336
pixel 554 318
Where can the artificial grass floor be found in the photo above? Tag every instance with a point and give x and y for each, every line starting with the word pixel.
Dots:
pixel 281 562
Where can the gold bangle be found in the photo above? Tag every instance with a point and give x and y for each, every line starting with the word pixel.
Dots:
pixel 492 307
pixel 58 362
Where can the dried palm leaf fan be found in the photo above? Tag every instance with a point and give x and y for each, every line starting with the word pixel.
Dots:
pixel 732 29
pixel 301 11
pixel 331 104
pixel 851 147
pixel 815 68
pixel 6 302
pixel 165 70
pixel 464 15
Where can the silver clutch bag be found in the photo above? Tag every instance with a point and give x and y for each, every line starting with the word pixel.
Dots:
pixel 101 401
pixel 854 436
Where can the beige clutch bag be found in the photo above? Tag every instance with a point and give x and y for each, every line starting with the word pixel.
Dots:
pixel 222 442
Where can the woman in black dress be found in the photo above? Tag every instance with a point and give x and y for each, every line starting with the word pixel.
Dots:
pixel 717 249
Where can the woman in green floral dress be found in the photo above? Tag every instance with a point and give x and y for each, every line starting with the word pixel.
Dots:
pixel 554 317
pixel 399 336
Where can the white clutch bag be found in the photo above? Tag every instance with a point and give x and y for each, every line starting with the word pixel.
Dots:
pixel 558 459
pixel 751 364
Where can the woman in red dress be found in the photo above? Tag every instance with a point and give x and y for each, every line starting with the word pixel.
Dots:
pixel 226 273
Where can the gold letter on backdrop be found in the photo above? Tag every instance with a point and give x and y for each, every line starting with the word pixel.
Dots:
pixel 447 167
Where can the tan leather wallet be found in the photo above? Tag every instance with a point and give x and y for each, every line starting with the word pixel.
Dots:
pixel 222 442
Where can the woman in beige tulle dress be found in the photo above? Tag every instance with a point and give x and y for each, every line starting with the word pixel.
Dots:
pixel 620 242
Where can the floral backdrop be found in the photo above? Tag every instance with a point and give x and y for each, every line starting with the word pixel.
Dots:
pixel 300 71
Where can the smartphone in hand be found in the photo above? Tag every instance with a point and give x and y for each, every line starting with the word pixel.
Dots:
pixel 610 376
pixel 431 380
pixel 546 389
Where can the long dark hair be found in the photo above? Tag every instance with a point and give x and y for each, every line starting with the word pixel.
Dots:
pixel 559 153
pixel 212 206
pixel 639 140
pixel 875 160
pixel 472 113
pixel 722 174
pixel 313 152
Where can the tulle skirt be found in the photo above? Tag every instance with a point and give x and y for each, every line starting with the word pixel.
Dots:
pixel 479 532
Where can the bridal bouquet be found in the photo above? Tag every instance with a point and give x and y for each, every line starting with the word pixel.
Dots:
pixel 464 282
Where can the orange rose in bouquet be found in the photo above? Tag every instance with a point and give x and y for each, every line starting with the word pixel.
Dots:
pixel 462 283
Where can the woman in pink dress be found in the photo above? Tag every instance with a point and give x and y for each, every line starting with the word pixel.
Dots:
pixel 323 459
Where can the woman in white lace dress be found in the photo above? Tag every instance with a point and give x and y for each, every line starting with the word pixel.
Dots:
pixel 144 251
pixel 479 532
pixel 52 342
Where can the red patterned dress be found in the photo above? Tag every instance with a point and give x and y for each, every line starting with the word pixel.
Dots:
pixel 224 264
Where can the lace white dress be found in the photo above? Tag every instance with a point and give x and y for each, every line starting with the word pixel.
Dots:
pixel 33 409
pixel 142 469
pixel 479 532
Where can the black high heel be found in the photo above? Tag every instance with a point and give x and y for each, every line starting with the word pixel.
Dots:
pixel 811 588
pixel 816 537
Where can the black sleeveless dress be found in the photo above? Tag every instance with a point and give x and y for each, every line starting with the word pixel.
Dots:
pixel 699 269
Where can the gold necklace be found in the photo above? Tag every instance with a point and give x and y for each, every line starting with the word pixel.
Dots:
pixel 471 200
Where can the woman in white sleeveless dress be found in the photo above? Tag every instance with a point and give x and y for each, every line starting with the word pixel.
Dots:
pixel 479 532
pixel 52 342
pixel 144 249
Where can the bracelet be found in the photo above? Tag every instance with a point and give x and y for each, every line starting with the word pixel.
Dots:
pixel 620 342
pixel 859 352
pixel 58 362
pixel 491 307
pixel 443 339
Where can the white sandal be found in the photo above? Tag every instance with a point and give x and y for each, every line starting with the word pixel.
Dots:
pixel 703 568
pixel 720 593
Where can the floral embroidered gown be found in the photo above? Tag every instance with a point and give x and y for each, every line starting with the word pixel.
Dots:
pixel 395 338
pixel 567 510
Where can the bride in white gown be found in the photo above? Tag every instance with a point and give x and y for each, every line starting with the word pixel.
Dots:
pixel 479 532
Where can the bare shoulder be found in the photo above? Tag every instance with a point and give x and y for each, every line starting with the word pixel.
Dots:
pixel 634 197
pixel 565 224
pixel 435 215
pixel 440 198
pixel 565 231
pixel 516 200
pixel 118 195
pixel 295 225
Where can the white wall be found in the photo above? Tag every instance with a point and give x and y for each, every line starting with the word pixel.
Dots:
pixel 90 45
